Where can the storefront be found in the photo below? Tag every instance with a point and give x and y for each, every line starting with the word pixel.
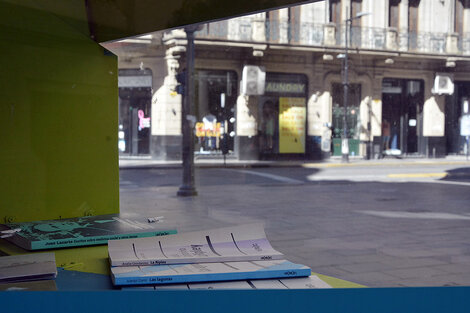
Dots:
pixel 352 118
pixel 216 96
pixel 135 94
pixel 457 105
pixel 282 116
pixel 402 117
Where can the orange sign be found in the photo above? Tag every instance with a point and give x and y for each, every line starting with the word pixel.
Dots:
pixel 207 130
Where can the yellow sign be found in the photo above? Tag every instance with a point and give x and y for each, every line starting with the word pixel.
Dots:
pixel 211 130
pixel 292 125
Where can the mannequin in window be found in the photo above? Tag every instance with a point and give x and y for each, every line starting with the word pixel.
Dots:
pixel 210 124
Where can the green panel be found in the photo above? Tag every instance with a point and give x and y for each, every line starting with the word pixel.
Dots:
pixel 58 117
pixel 352 143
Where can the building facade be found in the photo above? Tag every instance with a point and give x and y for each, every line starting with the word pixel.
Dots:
pixel 408 78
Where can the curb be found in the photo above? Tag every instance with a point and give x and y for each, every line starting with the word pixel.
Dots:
pixel 266 164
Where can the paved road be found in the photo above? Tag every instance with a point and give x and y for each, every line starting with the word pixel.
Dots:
pixel 376 225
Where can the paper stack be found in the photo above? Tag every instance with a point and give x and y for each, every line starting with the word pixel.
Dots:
pixel 225 254
pixel 17 271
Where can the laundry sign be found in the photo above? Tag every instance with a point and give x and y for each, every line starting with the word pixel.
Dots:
pixel 280 87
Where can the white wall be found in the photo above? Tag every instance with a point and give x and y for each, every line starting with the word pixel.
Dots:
pixel 314 13
pixel 434 15
pixel 379 13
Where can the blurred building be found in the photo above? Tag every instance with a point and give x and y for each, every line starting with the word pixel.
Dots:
pixel 409 79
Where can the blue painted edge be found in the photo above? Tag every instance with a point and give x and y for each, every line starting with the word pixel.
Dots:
pixel 360 300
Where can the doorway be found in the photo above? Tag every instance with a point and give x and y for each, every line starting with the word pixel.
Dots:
pixel 402 116
pixel 134 121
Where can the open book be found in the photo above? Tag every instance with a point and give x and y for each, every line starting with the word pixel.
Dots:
pixel 229 244
pixel 206 272
pixel 80 231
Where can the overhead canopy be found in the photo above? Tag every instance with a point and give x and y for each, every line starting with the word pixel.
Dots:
pixel 106 20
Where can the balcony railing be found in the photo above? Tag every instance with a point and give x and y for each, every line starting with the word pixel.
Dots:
pixel 311 34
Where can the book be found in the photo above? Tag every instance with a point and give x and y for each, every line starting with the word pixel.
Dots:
pixel 228 244
pixel 38 285
pixel 311 282
pixel 27 267
pixel 206 272
pixel 81 231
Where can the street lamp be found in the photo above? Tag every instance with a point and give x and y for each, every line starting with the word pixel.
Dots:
pixel 344 139
pixel 188 187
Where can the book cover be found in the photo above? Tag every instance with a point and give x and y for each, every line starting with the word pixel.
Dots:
pixel 237 243
pixel 26 267
pixel 81 231
pixel 206 272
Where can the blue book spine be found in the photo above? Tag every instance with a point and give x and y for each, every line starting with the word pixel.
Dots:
pixel 141 277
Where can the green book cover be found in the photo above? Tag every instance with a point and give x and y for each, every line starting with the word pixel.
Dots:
pixel 82 231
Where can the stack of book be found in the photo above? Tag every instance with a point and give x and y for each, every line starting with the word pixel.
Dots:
pixel 79 231
pixel 28 272
pixel 240 253
pixel 37 271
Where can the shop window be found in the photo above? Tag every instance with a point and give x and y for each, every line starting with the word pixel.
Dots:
pixel 135 95
pixel 352 110
pixel 282 117
pixel 216 96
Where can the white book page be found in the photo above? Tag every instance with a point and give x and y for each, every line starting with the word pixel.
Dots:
pixel 237 243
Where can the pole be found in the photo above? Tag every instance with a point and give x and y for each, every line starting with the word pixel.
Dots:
pixel 344 141
pixel 188 188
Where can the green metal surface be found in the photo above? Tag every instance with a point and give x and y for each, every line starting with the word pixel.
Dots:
pixel 353 147
pixel 58 117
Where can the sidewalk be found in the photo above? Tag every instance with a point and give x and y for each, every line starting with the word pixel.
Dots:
pixel 146 162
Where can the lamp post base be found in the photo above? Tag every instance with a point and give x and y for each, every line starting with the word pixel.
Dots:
pixel 186 191
pixel 345 150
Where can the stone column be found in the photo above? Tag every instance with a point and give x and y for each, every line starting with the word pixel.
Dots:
pixel 246 140
pixel 403 25
pixel 258 27
pixel 166 105
pixel 434 116
pixel 284 25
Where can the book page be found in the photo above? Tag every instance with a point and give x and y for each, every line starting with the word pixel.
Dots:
pixel 244 242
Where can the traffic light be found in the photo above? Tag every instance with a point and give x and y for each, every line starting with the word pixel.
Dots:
pixel 181 79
